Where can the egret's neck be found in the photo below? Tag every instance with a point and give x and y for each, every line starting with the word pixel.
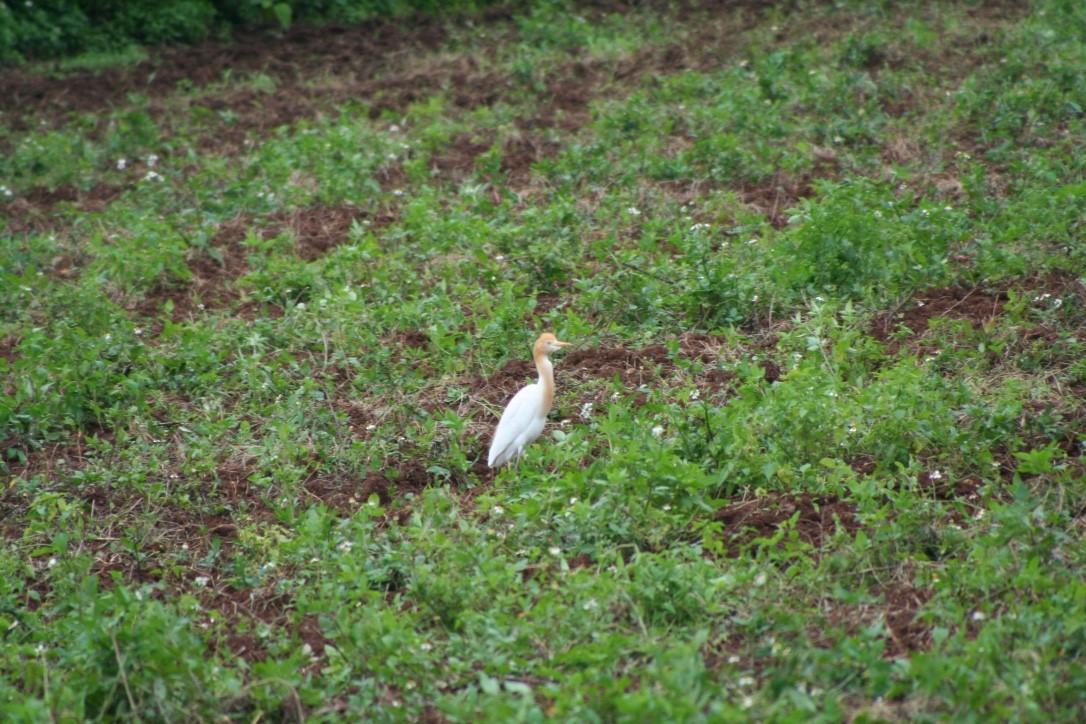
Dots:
pixel 546 379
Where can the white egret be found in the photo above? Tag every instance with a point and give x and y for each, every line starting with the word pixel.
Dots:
pixel 526 414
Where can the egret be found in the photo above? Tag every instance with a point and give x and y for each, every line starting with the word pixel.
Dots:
pixel 526 414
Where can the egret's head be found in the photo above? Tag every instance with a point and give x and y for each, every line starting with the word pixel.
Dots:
pixel 548 343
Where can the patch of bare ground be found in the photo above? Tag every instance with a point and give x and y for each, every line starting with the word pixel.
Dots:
pixel 897 604
pixel 906 326
pixel 212 271
pixel 50 461
pixel 321 228
pixel 393 486
pixel 912 318
pixel 35 212
pixel 746 520
pixel 8 351
pixel 774 197
pixel 316 230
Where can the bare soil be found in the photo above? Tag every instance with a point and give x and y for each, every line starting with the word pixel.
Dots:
pixel 817 518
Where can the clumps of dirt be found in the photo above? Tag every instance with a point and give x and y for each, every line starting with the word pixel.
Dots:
pixel 457 160
pixel 898 608
pixel 8 352
pixel 943 487
pixel 242 612
pixel 212 273
pixel 288 57
pixel 316 231
pixel 33 213
pixel 633 367
pixel 972 304
pixel 774 197
pixel 391 485
pixel 573 563
pixel 320 229
pixel 817 518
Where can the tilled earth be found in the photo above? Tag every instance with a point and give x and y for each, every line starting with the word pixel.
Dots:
pixel 389 65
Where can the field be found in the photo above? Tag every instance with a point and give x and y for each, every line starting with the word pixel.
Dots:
pixel 816 453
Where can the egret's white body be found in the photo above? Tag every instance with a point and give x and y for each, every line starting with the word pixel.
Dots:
pixel 526 414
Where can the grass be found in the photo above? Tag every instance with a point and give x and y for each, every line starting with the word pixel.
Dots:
pixel 817 453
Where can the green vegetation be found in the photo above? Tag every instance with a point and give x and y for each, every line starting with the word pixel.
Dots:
pixel 93 30
pixel 817 454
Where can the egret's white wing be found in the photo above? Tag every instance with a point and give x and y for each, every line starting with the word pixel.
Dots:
pixel 519 425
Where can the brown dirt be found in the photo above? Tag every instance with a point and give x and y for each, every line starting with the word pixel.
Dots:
pixel 745 520
pixel 898 605
pixel 776 196
pixel 34 212
pixel 316 230
pixel 319 229
pixel 974 305
pixel 212 276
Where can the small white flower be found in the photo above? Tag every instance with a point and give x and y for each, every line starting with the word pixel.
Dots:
pixel 52 562
pixel 633 211
pixel 747 702
pixel 137 331
pixel 590 604
pixel 200 581
pixel 152 160
pixel 573 500
pixel 426 646
pixel 699 227
pixel 397 192
pixel 760 579
pixel 936 475
pixel 1057 303
pixel 108 337
pixel 752 242
pixel 371 426
pixel 745 681
pixel 122 164
pixel 554 551
pixel 733 659
pixel 658 431
pixel 345 546
pixel 979 616
pixel 497 511
pixel 695 394
pixel 754 299
pixel 153 176
pixel 499 257
pixel 393 128
pixel 666 507
pixel 878 214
